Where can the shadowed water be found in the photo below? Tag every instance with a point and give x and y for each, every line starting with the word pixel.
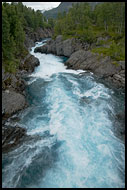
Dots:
pixel 70 119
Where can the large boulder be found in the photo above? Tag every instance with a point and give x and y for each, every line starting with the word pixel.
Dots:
pixel 42 49
pixel 29 63
pixel 12 102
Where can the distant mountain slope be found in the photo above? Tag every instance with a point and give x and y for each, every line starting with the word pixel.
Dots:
pixel 64 6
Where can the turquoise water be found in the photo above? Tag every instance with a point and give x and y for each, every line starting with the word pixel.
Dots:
pixel 70 120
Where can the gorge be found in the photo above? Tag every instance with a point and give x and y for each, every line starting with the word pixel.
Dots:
pixel 63 97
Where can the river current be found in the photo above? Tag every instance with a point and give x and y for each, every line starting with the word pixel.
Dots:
pixel 70 119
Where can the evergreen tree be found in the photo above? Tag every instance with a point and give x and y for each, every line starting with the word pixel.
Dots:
pixel 15 19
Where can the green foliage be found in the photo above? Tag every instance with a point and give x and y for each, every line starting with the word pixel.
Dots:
pixel 76 23
pixel 115 51
pixel 110 16
pixel 107 20
pixel 15 18
pixel 86 35
pixel 11 65
pixel 115 63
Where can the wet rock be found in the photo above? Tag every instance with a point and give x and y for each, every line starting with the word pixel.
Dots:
pixel 11 137
pixel 119 125
pixel 29 64
pixel 42 49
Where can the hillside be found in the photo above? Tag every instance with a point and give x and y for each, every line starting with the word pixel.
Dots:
pixel 64 6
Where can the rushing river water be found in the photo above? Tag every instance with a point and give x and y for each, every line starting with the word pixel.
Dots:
pixel 70 119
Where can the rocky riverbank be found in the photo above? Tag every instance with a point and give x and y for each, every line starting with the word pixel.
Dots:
pixel 14 100
pixel 13 90
pixel 81 57
pixel 13 86
pixel 38 35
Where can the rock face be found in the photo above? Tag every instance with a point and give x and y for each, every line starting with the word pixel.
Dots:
pixel 11 137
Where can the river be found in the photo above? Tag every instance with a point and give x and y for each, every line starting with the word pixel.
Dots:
pixel 70 118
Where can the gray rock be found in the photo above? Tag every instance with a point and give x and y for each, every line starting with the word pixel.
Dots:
pixel 87 60
pixel 42 49
pixel 59 39
pixel 10 80
pixel 28 42
pixel 32 37
pixel 11 137
pixel 61 47
pixel 122 72
pixel 122 64
pixel 12 102
pixel 68 47
pixel 29 64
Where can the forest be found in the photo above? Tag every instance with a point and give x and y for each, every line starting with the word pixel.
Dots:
pixel 15 19
pixel 86 24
